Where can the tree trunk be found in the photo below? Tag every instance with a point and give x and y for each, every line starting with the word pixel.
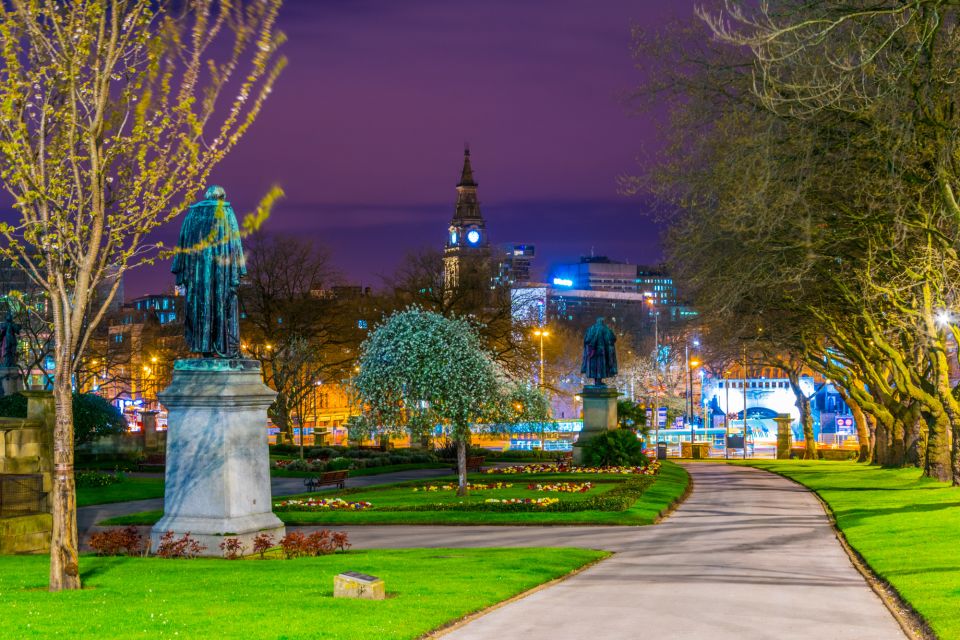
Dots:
pixel 462 467
pixel 64 567
pixel 939 464
pixel 806 416
pixel 915 444
pixel 863 430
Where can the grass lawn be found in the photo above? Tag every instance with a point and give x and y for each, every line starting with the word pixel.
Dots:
pixel 660 495
pixel 370 471
pixel 906 527
pixel 207 598
pixel 129 489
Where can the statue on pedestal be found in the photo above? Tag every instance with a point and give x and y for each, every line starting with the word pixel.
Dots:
pixel 208 266
pixel 599 353
pixel 9 341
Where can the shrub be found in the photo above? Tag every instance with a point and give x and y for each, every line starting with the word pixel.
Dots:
pixel 339 464
pixel 297 465
pixel 118 542
pixel 616 448
pixel 183 547
pixel 93 479
pixel 318 543
pixel 323 452
pixel 232 548
pixel 262 543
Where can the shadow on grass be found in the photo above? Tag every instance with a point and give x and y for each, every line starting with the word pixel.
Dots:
pixel 97 566
pixel 856 516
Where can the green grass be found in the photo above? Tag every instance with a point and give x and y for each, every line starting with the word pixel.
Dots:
pixel 667 488
pixel 132 598
pixel 906 527
pixel 370 471
pixel 128 489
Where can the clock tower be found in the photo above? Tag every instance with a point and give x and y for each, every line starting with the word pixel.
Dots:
pixel 467 240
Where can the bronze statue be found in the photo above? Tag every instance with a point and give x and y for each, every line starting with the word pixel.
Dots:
pixel 599 353
pixel 208 265
pixel 9 342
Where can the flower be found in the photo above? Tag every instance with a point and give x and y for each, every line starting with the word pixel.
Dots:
pixel 471 486
pixel 651 468
pixel 540 502
pixel 562 487
pixel 314 504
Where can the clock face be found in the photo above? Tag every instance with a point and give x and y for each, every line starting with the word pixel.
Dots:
pixel 473 236
pixel 453 237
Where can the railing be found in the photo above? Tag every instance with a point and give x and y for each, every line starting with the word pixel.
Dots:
pixel 22 494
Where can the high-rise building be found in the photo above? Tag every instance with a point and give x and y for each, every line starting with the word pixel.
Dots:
pixel 467 240
pixel 513 263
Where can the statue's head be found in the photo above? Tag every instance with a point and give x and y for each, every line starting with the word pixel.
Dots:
pixel 215 192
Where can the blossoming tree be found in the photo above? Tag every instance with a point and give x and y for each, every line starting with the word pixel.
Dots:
pixel 420 369
pixel 112 115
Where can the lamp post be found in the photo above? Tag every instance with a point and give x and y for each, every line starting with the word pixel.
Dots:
pixel 726 417
pixel 692 363
pixel 656 369
pixel 744 403
pixel 542 333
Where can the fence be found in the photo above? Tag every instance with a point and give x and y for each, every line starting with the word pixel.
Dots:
pixel 22 494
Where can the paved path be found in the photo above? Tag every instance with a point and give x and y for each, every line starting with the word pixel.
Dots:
pixel 748 555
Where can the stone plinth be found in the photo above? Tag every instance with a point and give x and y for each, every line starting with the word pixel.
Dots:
pixel 784 435
pixel 151 443
pixel 218 470
pixel 599 415
pixel 10 380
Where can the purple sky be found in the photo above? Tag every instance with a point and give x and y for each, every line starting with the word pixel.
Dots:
pixel 365 128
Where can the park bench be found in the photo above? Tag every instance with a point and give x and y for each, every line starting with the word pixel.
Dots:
pixel 565 457
pixel 336 478
pixel 373 447
pixel 474 463
pixel 153 462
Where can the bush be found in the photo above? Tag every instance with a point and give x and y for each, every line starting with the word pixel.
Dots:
pixel 297 465
pixel 262 543
pixel 323 452
pixel 232 548
pixel 318 543
pixel 93 479
pixel 617 448
pixel 183 547
pixel 118 542
pixel 92 415
pixel 339 464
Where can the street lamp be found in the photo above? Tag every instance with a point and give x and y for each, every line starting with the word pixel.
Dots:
pixel 542 333
pixel 692 363
pixel 656 367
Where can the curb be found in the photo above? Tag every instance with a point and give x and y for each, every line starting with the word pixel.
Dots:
pixel 679 500
pixel 911 623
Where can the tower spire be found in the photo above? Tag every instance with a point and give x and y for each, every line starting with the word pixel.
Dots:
pixel 466 176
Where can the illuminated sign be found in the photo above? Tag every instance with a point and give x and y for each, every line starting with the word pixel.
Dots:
pixel 563 282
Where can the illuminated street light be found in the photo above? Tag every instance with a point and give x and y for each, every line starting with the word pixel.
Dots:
pixel 542 333
pixel 944 318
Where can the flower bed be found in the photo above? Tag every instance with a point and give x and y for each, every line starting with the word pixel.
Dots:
pixel 562 487
pixel 539 502
pixel 471 486
pixel 313 504
pixel 652 468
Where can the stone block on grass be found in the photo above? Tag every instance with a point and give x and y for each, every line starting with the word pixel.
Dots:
pixel 352 584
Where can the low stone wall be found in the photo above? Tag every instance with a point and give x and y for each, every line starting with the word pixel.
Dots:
pixel 26 534
pixel 26 447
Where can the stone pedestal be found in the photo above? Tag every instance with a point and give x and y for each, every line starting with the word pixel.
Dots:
pixel 10 381
pixel 784 435
pixel 599 415
pixel 151 442
pixel 217 467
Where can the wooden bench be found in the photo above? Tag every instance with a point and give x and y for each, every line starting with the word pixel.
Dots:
pixel 372 447
pixel 336 478
pixel 153 462
pixel 565 457
pixel 474 463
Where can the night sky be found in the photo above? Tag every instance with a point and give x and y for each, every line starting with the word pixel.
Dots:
pixel 365 128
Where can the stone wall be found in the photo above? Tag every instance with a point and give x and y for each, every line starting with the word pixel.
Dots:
pixel 26 447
